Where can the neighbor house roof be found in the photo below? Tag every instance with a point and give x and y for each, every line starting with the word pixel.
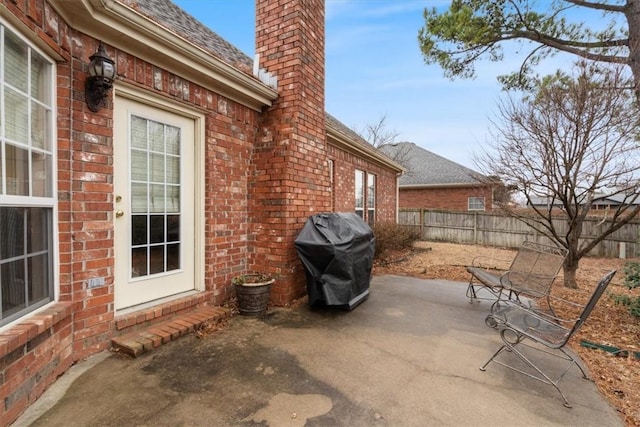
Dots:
pixel 427 169
pixel 346 138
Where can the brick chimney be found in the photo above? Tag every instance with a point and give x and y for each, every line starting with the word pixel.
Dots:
pixel 290 173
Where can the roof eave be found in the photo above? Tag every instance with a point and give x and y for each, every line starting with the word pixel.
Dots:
pixel 340 140
pixel 113 23
pixel 442 185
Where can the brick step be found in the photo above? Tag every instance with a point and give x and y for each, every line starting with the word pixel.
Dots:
pixel 156 334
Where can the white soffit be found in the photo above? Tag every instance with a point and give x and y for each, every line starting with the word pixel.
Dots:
pixel 126 29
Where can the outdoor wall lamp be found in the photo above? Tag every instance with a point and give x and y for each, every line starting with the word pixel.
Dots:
pixel 102 71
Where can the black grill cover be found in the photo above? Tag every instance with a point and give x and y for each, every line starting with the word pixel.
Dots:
pixel 337 252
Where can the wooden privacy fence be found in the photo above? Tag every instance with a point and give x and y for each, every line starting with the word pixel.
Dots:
pixel 491 229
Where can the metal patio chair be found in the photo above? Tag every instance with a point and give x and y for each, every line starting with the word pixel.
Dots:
pixel 531 274
pixel 549 335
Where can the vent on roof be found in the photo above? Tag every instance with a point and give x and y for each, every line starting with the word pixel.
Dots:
pixel 263 75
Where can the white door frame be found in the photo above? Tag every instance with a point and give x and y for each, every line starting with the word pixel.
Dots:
pixel 143 97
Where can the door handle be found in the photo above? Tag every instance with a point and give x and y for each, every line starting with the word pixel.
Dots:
pixel 119 213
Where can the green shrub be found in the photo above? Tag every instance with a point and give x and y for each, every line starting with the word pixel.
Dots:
pixel 632 274
pixel 391 236
pixel 632 303
pixel 631 281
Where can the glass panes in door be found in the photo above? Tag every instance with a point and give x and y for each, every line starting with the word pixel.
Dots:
pixel 155 197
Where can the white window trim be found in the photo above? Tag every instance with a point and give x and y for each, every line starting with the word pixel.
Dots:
pixel 360 209
pixel 371 197
pixel 46 202
pixel 474 199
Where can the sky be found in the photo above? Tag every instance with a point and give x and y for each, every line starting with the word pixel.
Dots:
pixel 374 68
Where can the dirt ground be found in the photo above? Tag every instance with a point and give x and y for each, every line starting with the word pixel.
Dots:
pixel 610 324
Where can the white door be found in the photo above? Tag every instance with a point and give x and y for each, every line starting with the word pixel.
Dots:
pixel 154 202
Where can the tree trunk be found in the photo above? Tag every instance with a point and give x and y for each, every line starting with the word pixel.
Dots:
pixel 569 268
pixel 633 18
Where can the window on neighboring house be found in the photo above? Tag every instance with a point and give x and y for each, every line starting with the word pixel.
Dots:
pixel 27 168
pixel 360 193
pixel 476 203
pixel 371 199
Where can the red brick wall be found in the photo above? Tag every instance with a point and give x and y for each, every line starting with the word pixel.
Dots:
pixel 33 354
pixel 36 350
pixel 343 191
pixel 452 198
pixel 83 323
pixel 264 175
pixel 290 178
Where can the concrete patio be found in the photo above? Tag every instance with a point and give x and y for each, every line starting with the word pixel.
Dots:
pixel 408 356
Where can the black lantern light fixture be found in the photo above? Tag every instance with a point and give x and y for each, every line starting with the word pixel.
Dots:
pixel 102 71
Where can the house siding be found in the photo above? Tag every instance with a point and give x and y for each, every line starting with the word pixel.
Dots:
pixel 450 198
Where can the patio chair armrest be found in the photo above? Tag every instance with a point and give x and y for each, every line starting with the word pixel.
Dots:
pixel 535 312
pixel 524 283
pixel 481 261
pixel 555 301
pixel 550 314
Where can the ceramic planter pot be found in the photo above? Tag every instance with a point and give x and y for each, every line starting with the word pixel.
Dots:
pixel 252 291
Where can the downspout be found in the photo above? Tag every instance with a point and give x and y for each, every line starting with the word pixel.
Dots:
pixel 398 175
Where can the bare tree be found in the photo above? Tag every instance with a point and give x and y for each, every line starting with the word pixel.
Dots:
pixel 571 141
pixel 503 195
pixel 378 133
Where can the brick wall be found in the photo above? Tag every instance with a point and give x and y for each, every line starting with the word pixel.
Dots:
pixel 452 198
pixel 33 353
pixel 36 350
pixel 290 178
pixel 82 323
pixel 343 191
pixel 230 134
pixel 263 176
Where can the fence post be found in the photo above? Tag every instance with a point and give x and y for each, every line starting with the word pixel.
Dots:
pixel 475 228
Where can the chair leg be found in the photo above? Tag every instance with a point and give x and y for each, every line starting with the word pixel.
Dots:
pixel 573 361
pixel 471 292
pixel 544 378
pixel 500 350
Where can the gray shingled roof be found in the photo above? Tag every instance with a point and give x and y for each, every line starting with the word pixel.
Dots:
pixel 338 125
pixel 425 168
pixel 171 16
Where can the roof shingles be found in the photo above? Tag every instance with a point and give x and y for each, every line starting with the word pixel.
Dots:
pixel 425 168
pixel 171 16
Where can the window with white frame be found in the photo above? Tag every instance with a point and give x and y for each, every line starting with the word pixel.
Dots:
pixel 359 185
pixel 371 199
pixel 27 168
pixel 476 204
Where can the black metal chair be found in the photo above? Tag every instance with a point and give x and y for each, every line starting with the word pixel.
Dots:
pixel 518 323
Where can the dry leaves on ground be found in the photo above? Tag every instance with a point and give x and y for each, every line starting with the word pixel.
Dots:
pixel 610 324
